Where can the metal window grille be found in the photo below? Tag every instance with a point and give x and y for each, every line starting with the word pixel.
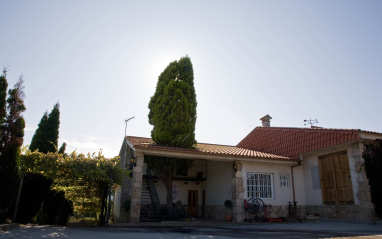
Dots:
pixel 284 180
pixel 259 185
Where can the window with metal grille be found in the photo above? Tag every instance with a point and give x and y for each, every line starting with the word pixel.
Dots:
pixel 284 180
pixel 259 185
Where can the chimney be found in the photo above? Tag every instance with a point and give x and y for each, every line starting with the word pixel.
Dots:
pixel 266 120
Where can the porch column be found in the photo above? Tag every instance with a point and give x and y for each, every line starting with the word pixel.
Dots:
pixel 135 206
pixel 238 192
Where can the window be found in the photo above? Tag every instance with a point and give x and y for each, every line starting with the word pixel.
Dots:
pixel 284 180
pixel 259 185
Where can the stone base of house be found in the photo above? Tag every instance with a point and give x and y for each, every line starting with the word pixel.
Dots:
pixel 123 217
pixel 352 213
pixel 215 212
pixel 343 212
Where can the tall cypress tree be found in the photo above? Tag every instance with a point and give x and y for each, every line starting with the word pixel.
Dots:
pixel 45 138
pixel 38 137
pixel 11 140
pixel 62 148
pixel 173 115
pixel 173 106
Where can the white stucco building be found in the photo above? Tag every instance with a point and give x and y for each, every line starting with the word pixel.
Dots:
pixel 298 171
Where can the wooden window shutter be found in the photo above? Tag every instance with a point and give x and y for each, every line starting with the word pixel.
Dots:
pixel 327 180
pixel 335 179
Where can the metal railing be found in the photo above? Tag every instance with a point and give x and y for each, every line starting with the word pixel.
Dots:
pixel 153 192
pixel 197 171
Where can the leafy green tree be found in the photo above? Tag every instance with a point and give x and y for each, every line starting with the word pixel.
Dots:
pixel 45 138
pixel 173 116
pixel 12 134
pixel 85 179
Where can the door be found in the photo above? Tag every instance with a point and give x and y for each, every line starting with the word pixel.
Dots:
pixel 335 179
pixel 193 203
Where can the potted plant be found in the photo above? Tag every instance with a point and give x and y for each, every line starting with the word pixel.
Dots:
pixel 228 205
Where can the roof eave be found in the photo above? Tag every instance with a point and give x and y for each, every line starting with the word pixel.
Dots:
pixel 209 156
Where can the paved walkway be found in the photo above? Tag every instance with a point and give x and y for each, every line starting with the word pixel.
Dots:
pixel 202 229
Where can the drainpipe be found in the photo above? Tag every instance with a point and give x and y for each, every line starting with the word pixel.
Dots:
pixel 291 169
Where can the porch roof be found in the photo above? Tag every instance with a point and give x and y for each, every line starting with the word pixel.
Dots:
pixel 205 149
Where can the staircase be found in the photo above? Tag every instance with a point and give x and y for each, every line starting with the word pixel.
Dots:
pixel 149 200
pixel 145 194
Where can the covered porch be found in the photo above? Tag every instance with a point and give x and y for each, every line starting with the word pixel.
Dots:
pixel 214 176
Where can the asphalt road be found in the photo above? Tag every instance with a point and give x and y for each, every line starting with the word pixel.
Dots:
pixel 274 230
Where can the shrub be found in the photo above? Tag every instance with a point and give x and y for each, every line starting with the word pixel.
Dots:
pixel 228 204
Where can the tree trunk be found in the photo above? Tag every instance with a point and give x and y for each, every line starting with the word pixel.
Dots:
pixel 18 199
pixel 102 220
pixel 168 184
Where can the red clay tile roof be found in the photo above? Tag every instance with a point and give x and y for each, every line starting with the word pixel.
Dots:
pixel 291 142
pixel 213 149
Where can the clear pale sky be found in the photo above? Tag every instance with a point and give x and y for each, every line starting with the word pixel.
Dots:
pixel 100 60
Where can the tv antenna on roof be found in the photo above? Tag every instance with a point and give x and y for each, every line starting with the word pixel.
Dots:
pixel 126 123
pixel 310 121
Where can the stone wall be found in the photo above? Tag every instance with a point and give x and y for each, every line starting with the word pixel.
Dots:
pixel 135 205
pixel 366 208
pixel 215 212
pixel 238 192
pixel 123 217
pixel 125 154
pixel 352 213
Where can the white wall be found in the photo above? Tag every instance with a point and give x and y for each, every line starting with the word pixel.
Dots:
pixel 219 182
pixel 313 196
pixel 281 195
pixel 299 185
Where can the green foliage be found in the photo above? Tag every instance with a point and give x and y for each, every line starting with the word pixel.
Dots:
pixel 62 148
pixel 3 96
pixel 373 167
pixel 173 106
pixel 228 204
pixel 45 138
pixel 85 179
pixel 57 208
pixel 173 115
pixel 38 138
pixel 34 191
pixel 12 132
